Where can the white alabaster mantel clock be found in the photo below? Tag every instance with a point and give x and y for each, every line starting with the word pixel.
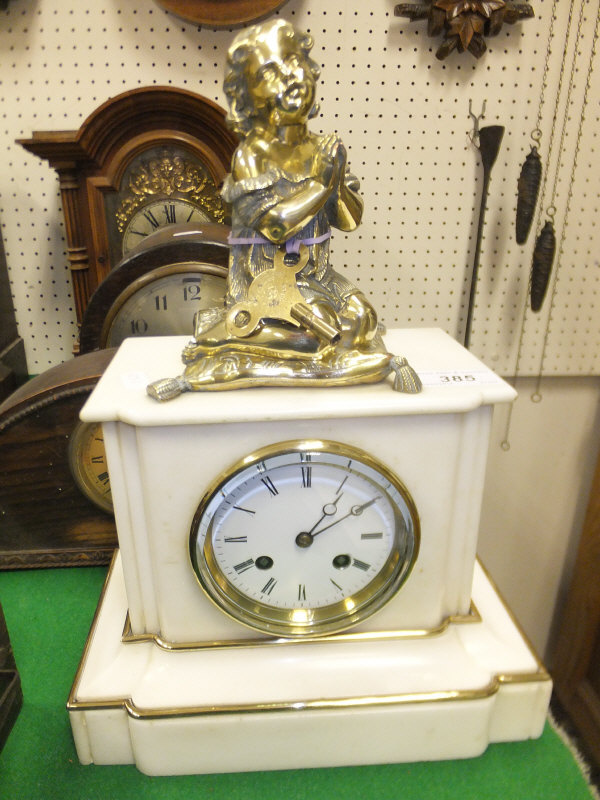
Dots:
pixel 297 509
pixel 379 630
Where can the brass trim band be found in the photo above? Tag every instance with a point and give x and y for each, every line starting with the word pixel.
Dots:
pixel 457 619
pixel 541 675
pixel 331 704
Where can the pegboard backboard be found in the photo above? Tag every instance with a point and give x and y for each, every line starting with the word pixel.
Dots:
pixel 404 118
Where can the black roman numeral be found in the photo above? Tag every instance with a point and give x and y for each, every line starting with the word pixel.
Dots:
pixel 246 510
pixel 170 212
pixel 269 586
pixel 151 218
pixel 306 471
pixel 243 566
pixel 270 485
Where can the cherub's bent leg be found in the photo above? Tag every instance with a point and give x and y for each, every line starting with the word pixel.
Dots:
pixel 359 321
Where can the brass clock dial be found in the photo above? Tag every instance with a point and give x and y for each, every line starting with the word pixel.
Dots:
pixel 305 538
pixel 87 460
pixel 164 301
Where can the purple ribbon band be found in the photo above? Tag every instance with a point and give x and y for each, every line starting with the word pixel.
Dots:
pixel 291 246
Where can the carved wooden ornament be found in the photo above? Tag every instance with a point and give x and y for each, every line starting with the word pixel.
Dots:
pixel 464 24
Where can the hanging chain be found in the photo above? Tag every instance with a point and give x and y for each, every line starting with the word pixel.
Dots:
pixel 536 396
pixel 536 135
pixel 552 210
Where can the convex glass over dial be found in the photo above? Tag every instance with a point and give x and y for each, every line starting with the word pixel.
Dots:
pixel 305 538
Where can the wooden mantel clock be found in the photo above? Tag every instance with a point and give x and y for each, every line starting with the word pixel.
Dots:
pixel 145 159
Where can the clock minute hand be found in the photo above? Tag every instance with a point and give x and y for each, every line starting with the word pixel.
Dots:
pixel 355 511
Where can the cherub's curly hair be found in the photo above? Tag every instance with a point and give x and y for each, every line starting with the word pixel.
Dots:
pixel 241 108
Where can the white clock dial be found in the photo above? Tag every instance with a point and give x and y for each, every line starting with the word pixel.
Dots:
pixel 305 538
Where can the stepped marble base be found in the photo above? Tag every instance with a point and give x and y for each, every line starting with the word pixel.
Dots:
pixel 408 696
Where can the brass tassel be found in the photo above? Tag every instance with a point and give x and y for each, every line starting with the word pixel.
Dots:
pixel 541 267
pixel 527 193
pixel 405 378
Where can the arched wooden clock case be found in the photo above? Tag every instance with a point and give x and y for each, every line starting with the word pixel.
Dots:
pixel 144 159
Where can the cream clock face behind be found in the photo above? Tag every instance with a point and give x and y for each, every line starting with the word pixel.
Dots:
pixel 87 460
pixel 163 302
pixel 159 214
pixel 159 286
pixel 162 185
pixel 305 538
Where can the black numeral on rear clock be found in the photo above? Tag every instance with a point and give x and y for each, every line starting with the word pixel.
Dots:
pixel 170 213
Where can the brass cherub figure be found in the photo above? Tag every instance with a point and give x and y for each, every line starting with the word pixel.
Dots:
pixel 288 317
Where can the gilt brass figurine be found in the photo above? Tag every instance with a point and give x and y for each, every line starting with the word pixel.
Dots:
pixel 288 318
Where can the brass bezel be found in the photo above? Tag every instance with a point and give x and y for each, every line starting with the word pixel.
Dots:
pixel 79 436
pixel 324 620
pixel 160 272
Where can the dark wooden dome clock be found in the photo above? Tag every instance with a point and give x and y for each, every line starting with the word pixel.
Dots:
pixel 143 160
pixel 158 286
pixel 55 503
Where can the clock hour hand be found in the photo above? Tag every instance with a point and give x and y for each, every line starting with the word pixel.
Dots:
pixel 305 539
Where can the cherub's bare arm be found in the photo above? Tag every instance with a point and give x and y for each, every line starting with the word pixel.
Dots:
pixel 325 186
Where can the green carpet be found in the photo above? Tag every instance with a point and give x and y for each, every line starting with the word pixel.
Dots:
pixel 48 613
